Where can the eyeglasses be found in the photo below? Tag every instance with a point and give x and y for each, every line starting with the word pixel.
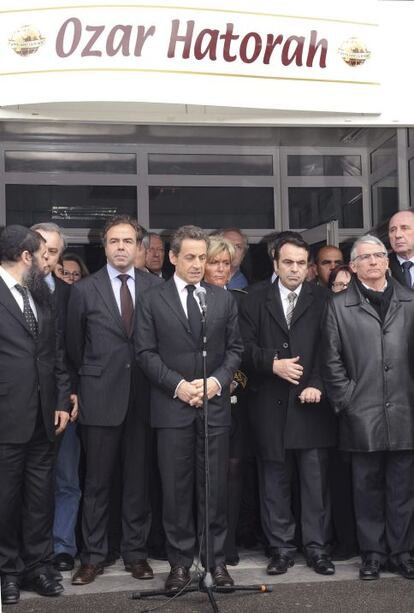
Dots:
pixel 379 255
pixel 73 275
pixel 339 285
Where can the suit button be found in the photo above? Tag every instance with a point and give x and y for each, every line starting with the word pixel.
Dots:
pixel 285 345
pixel 127 365
pixel 279 402
pixel 386 368
pixel 387 405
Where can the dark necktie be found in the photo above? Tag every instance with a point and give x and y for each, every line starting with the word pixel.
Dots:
pixel 127 305
pixel 407 274
pixel 27 311
pixel 193 313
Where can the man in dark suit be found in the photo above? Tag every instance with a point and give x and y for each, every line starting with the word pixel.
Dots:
pixel 168 345
pixel 67 490
pixel 34 405
pixel 113 401
pixel 401 236
pixel 280 329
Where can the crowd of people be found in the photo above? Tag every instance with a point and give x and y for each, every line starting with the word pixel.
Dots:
pixel 310 388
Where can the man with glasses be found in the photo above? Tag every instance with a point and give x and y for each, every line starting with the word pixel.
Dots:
pixel 368 340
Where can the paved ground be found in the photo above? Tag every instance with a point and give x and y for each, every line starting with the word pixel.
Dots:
pixel 299 591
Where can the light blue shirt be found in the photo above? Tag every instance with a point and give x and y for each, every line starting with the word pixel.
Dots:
pixel 50 282
pixel 116 283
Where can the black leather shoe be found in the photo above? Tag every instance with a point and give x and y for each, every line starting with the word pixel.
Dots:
pixel 10 592
pixel 279 564
pixel 221 576
pixel 44 585
pixel 405 568
pixel 178 578
pixel 321 564
pixel 370 570
pixel 63 562
pixel 140 569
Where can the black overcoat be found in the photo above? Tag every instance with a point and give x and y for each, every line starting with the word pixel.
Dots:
pixel 278 418
pixel 369 370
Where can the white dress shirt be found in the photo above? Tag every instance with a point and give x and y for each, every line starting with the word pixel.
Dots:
pixel 11 283
pixel 116 283
pixel 183 292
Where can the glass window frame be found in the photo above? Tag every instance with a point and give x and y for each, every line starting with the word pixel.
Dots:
pixel 361 181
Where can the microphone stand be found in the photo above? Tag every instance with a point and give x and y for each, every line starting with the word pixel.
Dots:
pixel 205 584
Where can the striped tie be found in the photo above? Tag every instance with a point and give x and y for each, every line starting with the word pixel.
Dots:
pixel 291 306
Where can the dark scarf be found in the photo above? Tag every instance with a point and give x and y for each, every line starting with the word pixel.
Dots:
pixel 379 300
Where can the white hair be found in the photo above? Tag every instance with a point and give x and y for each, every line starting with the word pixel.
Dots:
pixel 367 238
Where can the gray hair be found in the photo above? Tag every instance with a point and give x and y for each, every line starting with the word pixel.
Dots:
pixel 50 227
pixel 367 238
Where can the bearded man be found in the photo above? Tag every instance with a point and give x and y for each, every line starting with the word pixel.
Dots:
pixel 34 407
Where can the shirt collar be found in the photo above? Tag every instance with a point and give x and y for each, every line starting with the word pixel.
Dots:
pixel 375 290
pixel 181 284
pixel 284 291
pixel 9 280
pixel 402 260
pixel 113 272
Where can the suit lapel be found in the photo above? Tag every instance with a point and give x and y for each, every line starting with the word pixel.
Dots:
pixel 170 295
pixel 304 301
pixel 103 286
pixel 211 305
pixel 275 308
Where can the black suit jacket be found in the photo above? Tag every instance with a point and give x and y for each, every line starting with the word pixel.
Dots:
pixel 168 352
pixel 29 369
pixel 102 352
pixel 279 420
pixel 395 268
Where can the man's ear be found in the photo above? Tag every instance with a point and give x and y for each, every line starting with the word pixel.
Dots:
pixel 26 257
pixel 173 257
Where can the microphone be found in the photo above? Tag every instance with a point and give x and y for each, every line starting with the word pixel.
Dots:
pixel 200 292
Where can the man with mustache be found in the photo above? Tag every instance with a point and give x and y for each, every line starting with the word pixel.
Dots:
pixel 34 407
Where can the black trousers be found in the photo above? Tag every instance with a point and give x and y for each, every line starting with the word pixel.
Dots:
pixel 105 448
pixel 275 486
pixel 384 503
pixel 181 462
pixel 27 504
